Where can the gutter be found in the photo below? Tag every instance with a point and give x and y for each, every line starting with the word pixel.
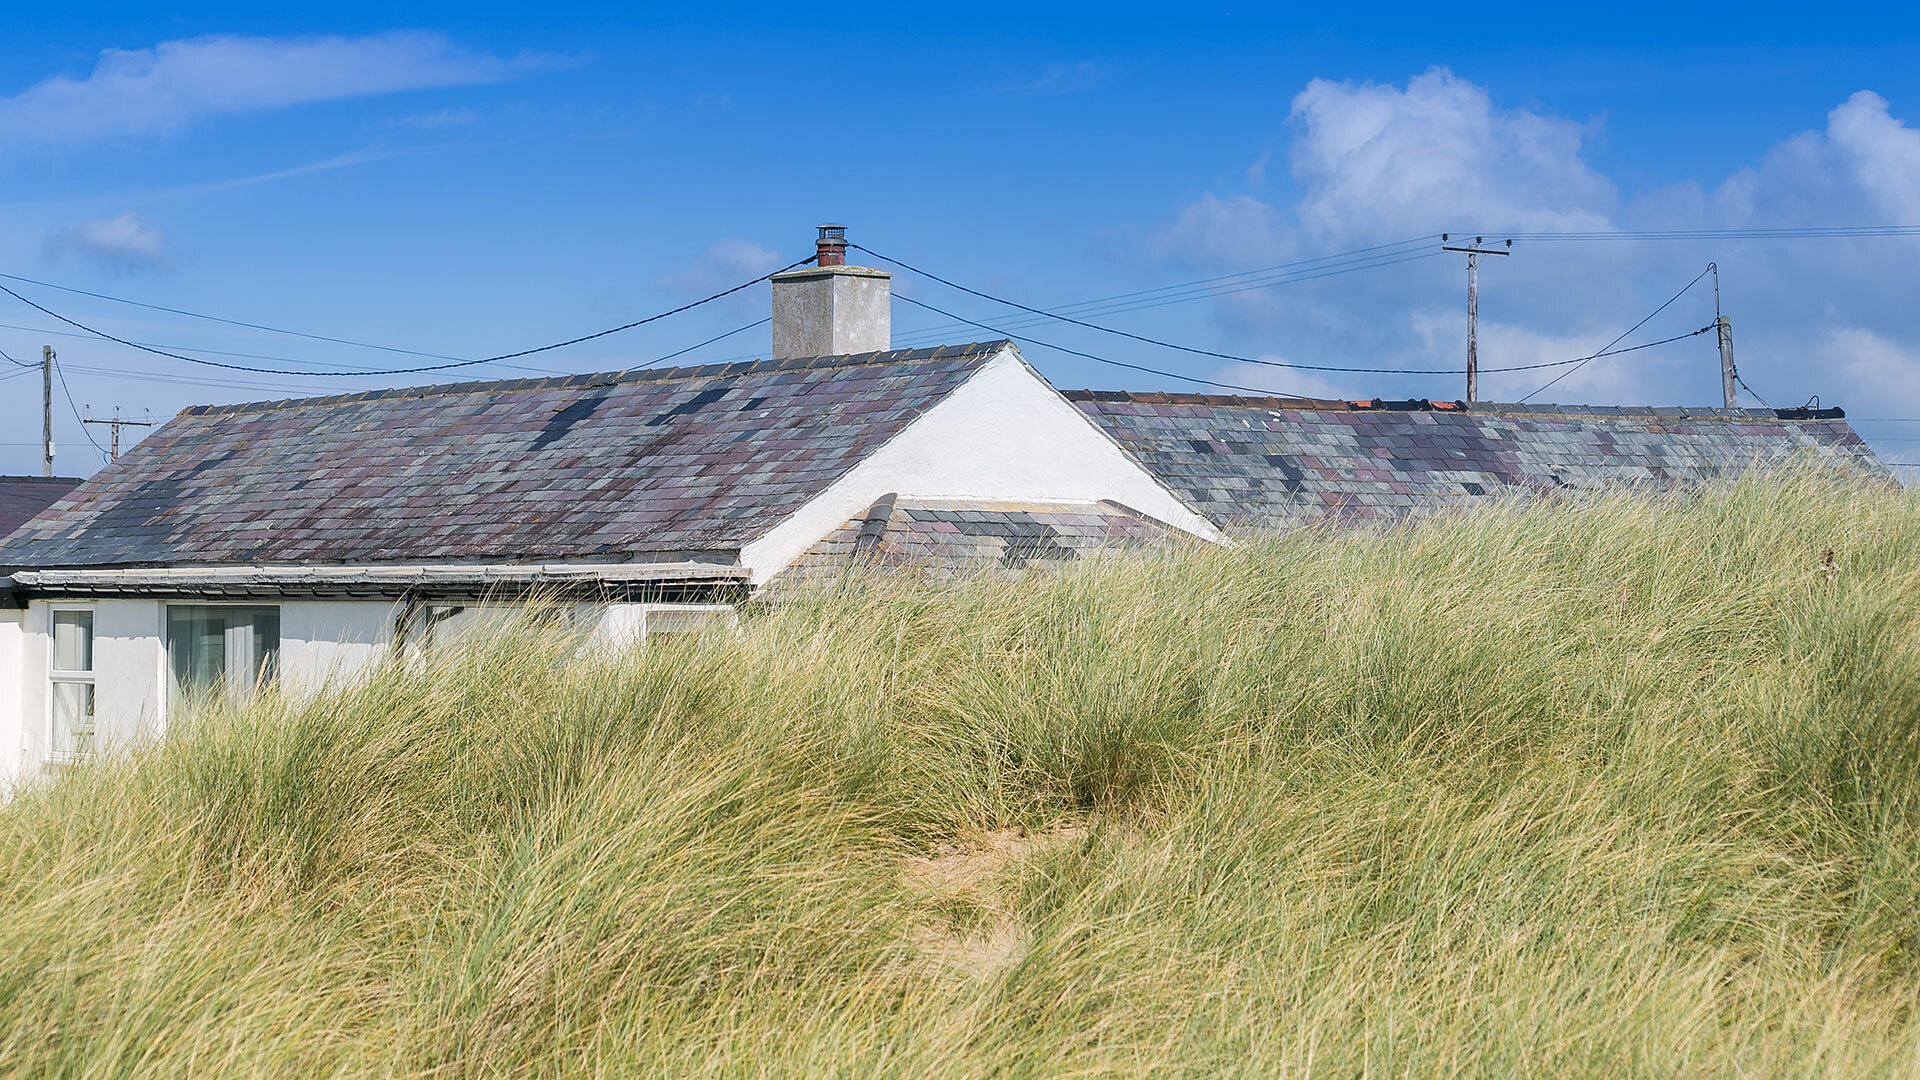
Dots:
pixel 628 581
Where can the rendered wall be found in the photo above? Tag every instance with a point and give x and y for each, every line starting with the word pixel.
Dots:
pixel 1006 434
pixel 13 692
pixel 323 643
pixel 331 642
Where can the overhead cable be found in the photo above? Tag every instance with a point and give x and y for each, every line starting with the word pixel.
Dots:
pixel 1780 233
pixel 410 370
pixel 67 392
pixel 1303 270
pixel 1628 332
pixel 1094 357
pixel 1258 361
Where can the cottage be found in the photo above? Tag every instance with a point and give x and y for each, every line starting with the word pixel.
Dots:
pixel 301 540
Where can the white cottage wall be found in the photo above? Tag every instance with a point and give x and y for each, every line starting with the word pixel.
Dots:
pixel 13 692
pixel 1005 434
pixel 324 644
pixel 129 670
pixel 331 642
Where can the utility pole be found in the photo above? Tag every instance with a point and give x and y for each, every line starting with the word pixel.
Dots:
pixel 1725 334
pixel 1473 252
pixel 46 409
pixel 116 424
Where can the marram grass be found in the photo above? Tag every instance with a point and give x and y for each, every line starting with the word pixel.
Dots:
pixel 1613 787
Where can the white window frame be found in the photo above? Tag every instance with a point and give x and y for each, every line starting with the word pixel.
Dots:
pixel 59 677
pixel 729 617
pixel 232 684
pixel 414 626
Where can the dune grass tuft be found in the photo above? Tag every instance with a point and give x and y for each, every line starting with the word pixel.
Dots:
pixel 1606 787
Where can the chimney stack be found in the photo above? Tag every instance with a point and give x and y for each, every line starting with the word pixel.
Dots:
pixel 831 308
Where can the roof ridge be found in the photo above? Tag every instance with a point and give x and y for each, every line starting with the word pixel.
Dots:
pixel 610 378
pixel 1485 408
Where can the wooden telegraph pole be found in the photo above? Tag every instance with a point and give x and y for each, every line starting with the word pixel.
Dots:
pixel 116 424
pixel 1473 252
pixel 46 410
pixel 1724 331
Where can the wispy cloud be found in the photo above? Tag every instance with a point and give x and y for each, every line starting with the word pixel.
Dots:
pixel 122 244
pixel 1060 78
pixel 434 120
pixel 167 88
pixel 723 265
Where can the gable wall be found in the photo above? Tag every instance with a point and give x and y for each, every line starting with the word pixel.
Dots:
pixel 1005 434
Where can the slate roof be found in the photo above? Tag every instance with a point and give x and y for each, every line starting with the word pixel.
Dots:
pixel 1260 463
pixel 21 497
pixel 955 537
pixel 631 464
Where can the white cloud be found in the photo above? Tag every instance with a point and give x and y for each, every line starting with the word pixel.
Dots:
pixel 1867 161
pixel 1879 369
pixel 1373 163
pixel 1379 160
pixel 1503 345
pixel 167 88
pixel 722 266
pixel 1232 231
pixel 120 244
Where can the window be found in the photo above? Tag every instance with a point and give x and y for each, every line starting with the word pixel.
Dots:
pixel 72 683
pixel 214 649
pixel 421 626
pixel 688 620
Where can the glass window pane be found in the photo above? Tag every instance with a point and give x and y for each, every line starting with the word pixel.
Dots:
pixel 73 641
pixel 72 717
pixel 256 654
pixel 196 649
pixel 212 649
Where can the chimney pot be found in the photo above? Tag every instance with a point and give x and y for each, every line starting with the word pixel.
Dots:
pixel 831 248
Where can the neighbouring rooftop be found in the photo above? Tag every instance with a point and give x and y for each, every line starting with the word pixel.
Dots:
pixel 22 497
pixel 1263 462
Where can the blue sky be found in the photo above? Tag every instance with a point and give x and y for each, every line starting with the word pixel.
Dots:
pixel 467 181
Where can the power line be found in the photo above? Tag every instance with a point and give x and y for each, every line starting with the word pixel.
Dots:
pixel 711 340
pixel 355 369
pixel 1629 331
pixel 1568 236
pixel 1083 307
pixel 1097 358
pixel 1749 389
pixel 1207 294
pixel 229 322
pixel 1374 263
pixel 67 392
pixel 1257 360
pixel 412 370
pixel 1777 233
pixel 17 363
pixel 1128 334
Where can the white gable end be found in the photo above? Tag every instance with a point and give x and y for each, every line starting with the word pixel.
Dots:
pixel 1004 434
